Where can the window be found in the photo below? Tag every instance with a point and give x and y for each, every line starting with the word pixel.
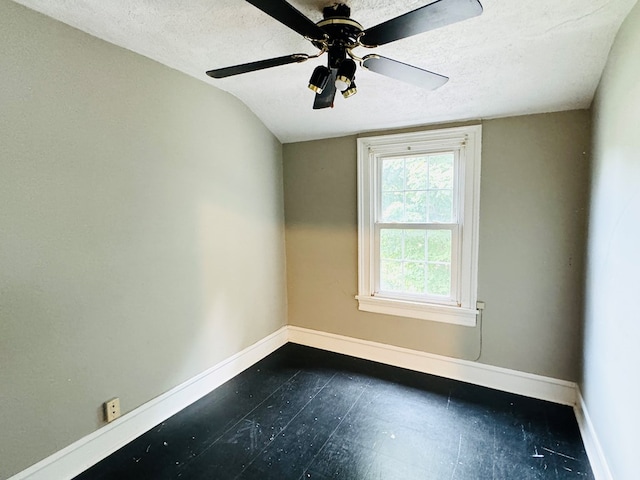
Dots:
pixel 418 203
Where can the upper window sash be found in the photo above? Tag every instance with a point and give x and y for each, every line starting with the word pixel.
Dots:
pixel 377 158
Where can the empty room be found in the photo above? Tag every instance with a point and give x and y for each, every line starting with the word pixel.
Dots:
pixel 301 239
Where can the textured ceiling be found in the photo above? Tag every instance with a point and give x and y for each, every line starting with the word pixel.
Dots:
pixel 518 57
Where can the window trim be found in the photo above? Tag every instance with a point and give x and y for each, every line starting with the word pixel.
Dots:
pixel 467 142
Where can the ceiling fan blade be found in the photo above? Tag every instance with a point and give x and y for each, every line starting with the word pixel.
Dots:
pixel 403 72
pixel 325 99
pixel 259 65
pixel 432 16
pixel 286 14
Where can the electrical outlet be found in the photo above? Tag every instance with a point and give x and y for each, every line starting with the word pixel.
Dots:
pixel 112 409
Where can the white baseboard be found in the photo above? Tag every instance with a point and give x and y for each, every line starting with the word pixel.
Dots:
pixel 527 384
pixel 591 443
pixel 77 457
pixel 80 455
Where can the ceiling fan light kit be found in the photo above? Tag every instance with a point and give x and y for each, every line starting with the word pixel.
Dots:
pixel 338 35
pixel 319 79
pixel 346 73
pixel 352 90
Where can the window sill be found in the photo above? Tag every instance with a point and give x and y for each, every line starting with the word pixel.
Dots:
pixel 421 311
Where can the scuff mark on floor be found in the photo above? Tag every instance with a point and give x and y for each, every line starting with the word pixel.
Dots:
pixel 453 474
pixel 559 453
pixel 537 455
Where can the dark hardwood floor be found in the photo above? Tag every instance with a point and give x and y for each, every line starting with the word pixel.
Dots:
pixel 303 413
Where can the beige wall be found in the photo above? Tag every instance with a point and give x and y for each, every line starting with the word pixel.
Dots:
pixel 141 232
pixel 532 228
pixel 611 385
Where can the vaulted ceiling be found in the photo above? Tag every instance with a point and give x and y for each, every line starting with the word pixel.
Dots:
pixel 518 57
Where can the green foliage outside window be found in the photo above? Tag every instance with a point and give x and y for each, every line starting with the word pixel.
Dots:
pixel 417 190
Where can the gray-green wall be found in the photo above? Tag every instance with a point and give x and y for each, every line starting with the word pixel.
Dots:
pixel 611 384
pixel 533 205
pixel 141 232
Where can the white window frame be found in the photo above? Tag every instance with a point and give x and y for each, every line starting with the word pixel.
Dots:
pixel 465 142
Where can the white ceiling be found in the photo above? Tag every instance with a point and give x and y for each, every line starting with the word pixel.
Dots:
pixel 518 57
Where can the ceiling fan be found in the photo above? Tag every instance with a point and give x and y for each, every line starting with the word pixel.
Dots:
pixel 337 35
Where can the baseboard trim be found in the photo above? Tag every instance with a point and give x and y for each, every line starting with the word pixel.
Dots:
pixel 89 450
pixel 521 383
pixel 82 454
pixel 592 445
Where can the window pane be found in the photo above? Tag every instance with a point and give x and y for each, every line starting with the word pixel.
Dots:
pixel 441 171
pixel 441 206
pixel 392 174
pixel 391 276
pixel 439 246
pixel 391 244
pixel 415 207
pixel 416 173
pixel 414 243
pixel 438 279
pixel 392 207
pixel 414 280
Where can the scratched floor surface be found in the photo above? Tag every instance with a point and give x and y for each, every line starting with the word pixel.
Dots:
pixel 302 413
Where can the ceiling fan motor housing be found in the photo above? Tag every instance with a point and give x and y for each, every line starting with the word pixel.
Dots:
pixel 342 33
